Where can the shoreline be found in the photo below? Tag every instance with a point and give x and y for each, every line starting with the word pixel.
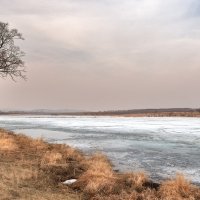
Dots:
pixel 163 112
pixel 150 115
pixel 39 133
pixel 48 165
pixel 160 148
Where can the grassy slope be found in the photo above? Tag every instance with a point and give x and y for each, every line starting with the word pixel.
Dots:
pixel 33 169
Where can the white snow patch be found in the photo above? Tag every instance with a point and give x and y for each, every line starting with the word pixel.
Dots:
pixel 70 181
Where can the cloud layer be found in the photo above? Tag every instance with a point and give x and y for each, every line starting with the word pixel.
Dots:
pixel 108 54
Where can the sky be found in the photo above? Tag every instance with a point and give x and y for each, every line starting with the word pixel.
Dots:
pixel 105 54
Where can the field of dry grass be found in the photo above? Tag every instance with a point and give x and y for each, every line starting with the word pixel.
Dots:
pixel 163 114
pixel 33 169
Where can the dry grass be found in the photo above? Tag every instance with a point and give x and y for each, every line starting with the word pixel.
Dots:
pixel 135 180
pixel 178 189
pixel 7 142
pixel 52 158
pixel 34 169
pixel 99 176
pixel 22 174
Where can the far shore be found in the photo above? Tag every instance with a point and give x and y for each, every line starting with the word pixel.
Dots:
pixel 169 112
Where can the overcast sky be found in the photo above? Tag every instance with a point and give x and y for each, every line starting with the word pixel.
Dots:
pixel 105 54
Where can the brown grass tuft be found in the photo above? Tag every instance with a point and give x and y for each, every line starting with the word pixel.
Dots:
pixel 135 180
pixel 39 144
pixel 52 158
pixel 178 189
pixel 99 176
pixel 7 142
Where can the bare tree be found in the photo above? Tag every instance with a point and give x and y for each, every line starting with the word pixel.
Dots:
pixel 11 63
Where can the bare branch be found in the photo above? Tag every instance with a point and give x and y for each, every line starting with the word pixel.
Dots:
pixel 11 63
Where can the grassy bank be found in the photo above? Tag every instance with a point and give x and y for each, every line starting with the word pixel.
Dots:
pixel 34 169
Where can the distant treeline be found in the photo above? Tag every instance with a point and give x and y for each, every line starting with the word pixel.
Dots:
pixel 188 112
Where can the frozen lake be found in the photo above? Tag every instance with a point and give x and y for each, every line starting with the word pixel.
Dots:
pixel 159 146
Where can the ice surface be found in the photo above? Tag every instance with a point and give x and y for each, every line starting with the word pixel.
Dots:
pixel 160 146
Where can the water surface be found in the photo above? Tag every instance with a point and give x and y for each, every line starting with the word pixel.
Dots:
pixel 160 146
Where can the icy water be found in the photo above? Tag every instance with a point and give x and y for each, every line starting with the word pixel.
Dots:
pixel 159 146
